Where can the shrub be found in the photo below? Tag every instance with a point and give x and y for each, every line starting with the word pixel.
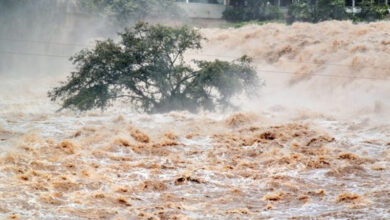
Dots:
pixel 129 10
pixel 370 12
pixel 255 10
pixel 316 11
pixel 298 11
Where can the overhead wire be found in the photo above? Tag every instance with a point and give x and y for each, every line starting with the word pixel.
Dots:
pixel 45 42
pixel 33 54
pixel 291 61
pixel 204 55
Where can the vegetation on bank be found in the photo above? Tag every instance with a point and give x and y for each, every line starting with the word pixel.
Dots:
pixel 321 10
pixel 259 10
pixel 253 22
pixel 146 68
pixel 120 12
pixel 371 12
pixel 316 11
pixel 304 10
pixel 130 10
pixel 125 12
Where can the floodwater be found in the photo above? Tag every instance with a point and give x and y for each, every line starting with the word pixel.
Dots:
pixel 312 145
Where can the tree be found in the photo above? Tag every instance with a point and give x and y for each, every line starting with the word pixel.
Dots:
pixel 316 10
pixel 126 10
pixel 147 68
pixel 260 10
pixel 370 11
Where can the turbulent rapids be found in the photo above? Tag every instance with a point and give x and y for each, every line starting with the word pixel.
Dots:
pixel 315 144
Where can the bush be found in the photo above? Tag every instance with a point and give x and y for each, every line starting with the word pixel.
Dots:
pixel 255 10
pixel 298 11
pixel 147 69
pixel 370 12
pixel 316 11
pixel 129 10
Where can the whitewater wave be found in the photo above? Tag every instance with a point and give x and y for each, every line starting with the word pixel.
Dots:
pixel 331 67
pixel 306 148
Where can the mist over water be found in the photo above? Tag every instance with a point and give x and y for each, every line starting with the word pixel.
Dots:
pixel 314 143
pixel 334 67
pixel 331 67
pixel 38 37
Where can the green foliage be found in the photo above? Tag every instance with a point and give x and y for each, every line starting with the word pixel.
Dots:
pixel 244 23
pixel 147 69
pixel 316 11
pixel 321 10
pixel 127 10
pixel 298 11
pixel 255 10
pixel 370 12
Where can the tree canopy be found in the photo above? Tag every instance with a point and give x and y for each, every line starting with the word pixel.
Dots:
pixel 147 69
pixel 127 10
pixel 316 10
pixel 260 10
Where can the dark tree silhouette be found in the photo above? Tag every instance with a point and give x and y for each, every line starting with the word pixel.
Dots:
pixel 147 68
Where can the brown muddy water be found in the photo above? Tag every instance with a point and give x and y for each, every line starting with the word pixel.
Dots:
pixel 309 147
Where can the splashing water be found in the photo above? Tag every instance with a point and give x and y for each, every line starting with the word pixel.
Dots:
pixel 310 146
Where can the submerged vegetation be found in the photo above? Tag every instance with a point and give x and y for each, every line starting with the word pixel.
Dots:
pixel 147 68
